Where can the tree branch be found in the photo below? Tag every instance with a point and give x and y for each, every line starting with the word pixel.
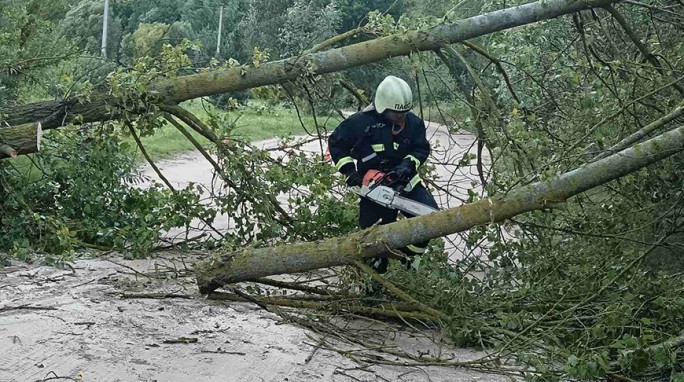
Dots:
pixel 480 50
pixel 336 39
pixel 642 47
pixel 251 263
pixel 637 136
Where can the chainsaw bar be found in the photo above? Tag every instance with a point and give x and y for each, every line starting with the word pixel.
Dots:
pixel 389 197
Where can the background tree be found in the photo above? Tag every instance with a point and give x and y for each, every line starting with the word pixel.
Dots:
pixel 263 19
pixel 355 13
pixel 29 45
pixel 149 39
pixel 305 24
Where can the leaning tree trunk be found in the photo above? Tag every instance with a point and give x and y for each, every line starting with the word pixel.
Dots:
pixel 99 107
pixel 250 264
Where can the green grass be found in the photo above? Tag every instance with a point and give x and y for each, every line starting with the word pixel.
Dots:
pixel 256 122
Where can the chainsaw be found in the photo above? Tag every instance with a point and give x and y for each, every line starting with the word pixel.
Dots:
pixel 384 189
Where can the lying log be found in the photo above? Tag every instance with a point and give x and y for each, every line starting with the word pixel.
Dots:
pixel 20 140
pixel 252 263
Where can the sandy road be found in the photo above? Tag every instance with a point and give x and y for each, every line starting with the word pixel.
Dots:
pixel 86 331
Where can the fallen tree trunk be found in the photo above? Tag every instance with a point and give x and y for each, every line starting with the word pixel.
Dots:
pixel 250 264
pixel 100 107
pixel 20 140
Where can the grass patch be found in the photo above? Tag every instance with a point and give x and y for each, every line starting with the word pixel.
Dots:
pixel 256 122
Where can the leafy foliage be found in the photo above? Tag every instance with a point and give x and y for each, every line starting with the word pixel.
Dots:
pixel 148 39
pixel 83 25
pixel 86 196
pixel 305 24
pixel 195 20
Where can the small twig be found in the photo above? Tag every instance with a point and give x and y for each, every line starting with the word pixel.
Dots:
pixel 26 307
pixel 341 372
pixel 55 376
pixel 155 295
pixel 302 288
pixel 591 130
pixel 431 312
pixel 363 100
pixel 481 50
pixel 643 49
pixel 137 272
pixel 173 244
pixel 91 281
pixel 335 40
pixel 623 378
pixel 313 353
pixel 199 147
pixel 191 121
pixel 182 340
pixel 86 323
pixel 142 149
pixel 249 298
pixel 403 311
pixel 644 131
pixel 221 351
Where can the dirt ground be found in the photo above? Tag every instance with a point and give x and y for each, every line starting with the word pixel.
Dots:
pixel 74 324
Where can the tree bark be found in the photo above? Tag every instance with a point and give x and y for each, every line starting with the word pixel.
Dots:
pixel 20 140
pixel 252 263
pixel 102 107
pixel 643 132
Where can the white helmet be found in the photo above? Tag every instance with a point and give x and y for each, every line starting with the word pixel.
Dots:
pixel 393 93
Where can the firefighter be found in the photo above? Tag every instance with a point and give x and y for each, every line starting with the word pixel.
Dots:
pixel 387 137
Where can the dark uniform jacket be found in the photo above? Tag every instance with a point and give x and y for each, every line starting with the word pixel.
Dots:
pixel 368 138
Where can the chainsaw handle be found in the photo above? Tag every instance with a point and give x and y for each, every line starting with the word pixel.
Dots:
pixel 374 178
pixel 391 179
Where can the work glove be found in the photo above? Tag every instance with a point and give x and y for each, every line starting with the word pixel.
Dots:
pixel 405 170
pixel 354 179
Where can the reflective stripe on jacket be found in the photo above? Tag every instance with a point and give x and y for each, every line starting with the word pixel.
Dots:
pixel 367 138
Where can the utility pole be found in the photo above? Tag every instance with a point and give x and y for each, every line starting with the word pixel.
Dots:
pixel 104 28
pixel 220 30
